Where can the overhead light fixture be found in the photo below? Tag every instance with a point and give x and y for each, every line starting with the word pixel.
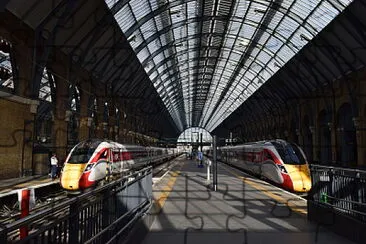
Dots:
pixel 177 12
pixel 148 64
pixel 244 43
pixel 179 45
pixel 259 11
pixel 131 38
pixel 304 38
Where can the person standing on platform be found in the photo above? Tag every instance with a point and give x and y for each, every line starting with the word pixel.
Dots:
pixel 200 158
pixel 54 163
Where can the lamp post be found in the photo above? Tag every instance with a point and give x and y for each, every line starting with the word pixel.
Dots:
pixel 214 161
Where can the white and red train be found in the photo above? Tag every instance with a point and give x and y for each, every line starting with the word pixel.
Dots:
pixel 92 161
pixel 279 161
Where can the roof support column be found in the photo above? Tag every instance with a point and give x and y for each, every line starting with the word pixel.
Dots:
pixel 61 111
pixel 315 140
pixel 112 120
pixel 360 123
pixel 102 124
pixel 23 56
pixel 333 142
pixel 85 120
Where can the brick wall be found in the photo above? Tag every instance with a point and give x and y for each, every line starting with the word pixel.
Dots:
pixel 12 151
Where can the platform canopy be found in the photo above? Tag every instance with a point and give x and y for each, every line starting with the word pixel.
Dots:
pixel 206 57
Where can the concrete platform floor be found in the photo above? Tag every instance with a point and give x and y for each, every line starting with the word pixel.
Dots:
pixel 242 210
pixel 10 186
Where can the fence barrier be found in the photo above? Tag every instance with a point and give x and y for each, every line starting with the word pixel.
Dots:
pixel 342 189
pixel 337 200
pixel 103 215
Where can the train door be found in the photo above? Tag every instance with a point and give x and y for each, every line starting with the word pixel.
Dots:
pixel 256 167
pixel 115 161
pixel 110 159
pixel 101 166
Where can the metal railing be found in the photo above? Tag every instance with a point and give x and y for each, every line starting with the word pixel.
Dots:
pixel 103 215
pixel 342 189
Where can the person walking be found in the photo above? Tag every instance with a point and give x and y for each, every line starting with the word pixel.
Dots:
pixel 54 163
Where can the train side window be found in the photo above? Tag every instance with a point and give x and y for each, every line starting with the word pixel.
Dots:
pixel 242 156
pixel 104 155
pixel 267 156
pixel 116 155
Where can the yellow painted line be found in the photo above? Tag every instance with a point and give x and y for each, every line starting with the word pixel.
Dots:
pixel 279 199
pixel 160 201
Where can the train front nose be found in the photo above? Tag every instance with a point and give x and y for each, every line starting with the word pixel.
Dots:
pixel 300 177
pixel 71 176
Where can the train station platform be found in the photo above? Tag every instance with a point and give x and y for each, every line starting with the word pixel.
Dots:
pixel 242 210
pixel 10 186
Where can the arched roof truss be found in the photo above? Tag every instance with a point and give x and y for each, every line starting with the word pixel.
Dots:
pixel 205 58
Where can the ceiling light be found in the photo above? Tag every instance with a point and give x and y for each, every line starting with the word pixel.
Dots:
pixel 259 11
pixel 131 38
pixel 175 12
pixel 304 38
pixel 244 43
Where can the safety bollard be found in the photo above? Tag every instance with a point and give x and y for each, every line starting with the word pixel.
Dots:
pixel 208 162
pixel 24 210
pixel 26 202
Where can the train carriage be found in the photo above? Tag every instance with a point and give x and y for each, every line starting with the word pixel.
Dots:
pixel 279 161
pixel 92 161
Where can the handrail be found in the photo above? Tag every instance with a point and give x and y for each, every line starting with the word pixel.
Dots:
pixel 340 188
pixel 30 218
pixel 337 168
pixel 116 221
pixel 111 189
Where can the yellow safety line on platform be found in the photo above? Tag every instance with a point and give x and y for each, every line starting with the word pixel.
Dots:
pixel 166 190
pixel 279 199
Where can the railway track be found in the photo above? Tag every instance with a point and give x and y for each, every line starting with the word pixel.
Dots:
pixel 302 195
pixel 51 194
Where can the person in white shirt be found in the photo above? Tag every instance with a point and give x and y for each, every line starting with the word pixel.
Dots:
pixel 54 163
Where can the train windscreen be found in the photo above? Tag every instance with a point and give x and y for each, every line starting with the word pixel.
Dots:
pixel 83 151
pixel 290 153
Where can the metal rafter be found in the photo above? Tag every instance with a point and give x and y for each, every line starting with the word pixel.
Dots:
pixel 189 51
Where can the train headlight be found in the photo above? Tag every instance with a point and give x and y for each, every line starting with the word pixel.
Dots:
pixel 88 167
pixel 282 168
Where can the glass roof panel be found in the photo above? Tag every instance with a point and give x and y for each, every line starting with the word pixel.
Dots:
pixel 148 29
pixel 229 59
pixel 125 18
pixel 110 3
pixel 5 65
pixel 140 8
pixel 155 4
pixel 45 89
pixel 143 54
pixel 154 46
